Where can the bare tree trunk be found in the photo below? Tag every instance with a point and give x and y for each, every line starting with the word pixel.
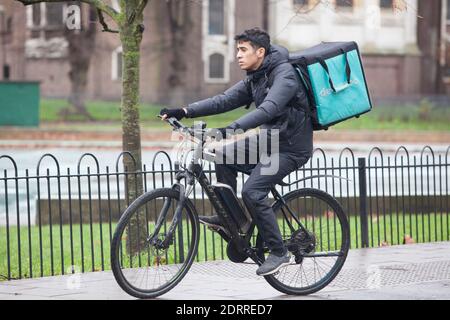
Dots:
pixel 131 37
pixel 180 24
pixel 80 51
pixel 131 142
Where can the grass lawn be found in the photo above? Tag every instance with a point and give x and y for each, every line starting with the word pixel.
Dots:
pixel 87 256
pixel 110 112
pixel 422 117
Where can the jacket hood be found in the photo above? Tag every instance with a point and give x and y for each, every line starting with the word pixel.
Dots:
pixel 277 55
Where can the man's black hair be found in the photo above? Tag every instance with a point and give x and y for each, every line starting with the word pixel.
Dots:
pixel 258 38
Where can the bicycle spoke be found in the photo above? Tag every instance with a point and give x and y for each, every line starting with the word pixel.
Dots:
pixel 306 278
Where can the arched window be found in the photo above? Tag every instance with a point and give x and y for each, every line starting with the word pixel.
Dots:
pixel 216 17
pixel 216 66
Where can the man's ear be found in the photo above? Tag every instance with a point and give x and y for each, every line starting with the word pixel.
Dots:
pixel 261 52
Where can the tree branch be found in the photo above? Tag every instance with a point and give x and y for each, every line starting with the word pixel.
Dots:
pixel 139 10
pixel 141 7
pixel 101 18
pixel 99 4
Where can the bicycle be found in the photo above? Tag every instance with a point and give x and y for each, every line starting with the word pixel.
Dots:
pixel 157 237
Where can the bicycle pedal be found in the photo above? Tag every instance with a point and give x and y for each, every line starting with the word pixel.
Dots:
pixel 215 228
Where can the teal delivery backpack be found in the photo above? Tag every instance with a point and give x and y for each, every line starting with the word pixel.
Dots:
pixel 333 76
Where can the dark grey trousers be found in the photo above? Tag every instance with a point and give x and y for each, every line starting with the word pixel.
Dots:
pixel 265 172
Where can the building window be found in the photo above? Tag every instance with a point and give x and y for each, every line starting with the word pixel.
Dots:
pixel 387 4
pixel 117 64
pixel 304 5
pixel 218 46
pixel 216 17
pixel 44 15
pixel 344 3
pixel 6 72
pixel 301 3
pixel 5 22
pixel 2 21
pixel 344 6
pixel 216 66
pixel 55 14
pixel 36 20
pixel 448 11
pixel 9 23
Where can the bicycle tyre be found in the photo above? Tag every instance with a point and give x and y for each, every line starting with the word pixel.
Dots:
pixel 188 212
pixel 311 195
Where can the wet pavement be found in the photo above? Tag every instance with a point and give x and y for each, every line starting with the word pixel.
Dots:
pixel 408 272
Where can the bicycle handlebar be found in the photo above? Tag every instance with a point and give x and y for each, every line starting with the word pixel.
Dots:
pixel 194 131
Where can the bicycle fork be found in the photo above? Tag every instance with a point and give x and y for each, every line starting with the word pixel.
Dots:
pixel 168 240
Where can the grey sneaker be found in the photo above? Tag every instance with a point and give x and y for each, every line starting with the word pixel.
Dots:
pixel 273 264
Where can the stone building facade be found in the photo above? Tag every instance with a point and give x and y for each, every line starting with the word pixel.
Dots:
pixel 401 41
pixel 405 50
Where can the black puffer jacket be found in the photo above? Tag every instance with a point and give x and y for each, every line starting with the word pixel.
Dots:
pixel 279 101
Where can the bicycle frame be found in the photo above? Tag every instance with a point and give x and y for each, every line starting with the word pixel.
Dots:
pixel 194 172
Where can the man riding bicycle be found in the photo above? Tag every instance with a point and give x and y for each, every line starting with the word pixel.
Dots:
pixel 281 102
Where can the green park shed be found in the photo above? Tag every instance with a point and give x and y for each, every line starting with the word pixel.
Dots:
pixel 19 103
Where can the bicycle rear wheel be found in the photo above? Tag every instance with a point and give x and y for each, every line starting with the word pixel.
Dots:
pixel 320 248
pixel 142 265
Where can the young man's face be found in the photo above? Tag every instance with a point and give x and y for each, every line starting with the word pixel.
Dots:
pixel 248 58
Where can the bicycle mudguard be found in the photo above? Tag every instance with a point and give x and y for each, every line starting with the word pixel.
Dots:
pixel 284 184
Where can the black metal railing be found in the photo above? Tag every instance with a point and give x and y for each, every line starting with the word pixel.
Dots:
pixel 57 222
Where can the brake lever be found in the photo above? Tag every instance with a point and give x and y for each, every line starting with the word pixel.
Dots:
pixel 174 123
pixel 177 125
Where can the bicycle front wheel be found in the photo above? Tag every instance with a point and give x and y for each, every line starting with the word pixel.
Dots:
pixel 318 238
pixel 144 264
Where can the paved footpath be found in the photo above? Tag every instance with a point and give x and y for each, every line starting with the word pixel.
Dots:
pixel 418 271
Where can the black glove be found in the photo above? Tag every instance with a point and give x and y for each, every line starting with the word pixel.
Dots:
pixel 221 133
pixel 173 113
